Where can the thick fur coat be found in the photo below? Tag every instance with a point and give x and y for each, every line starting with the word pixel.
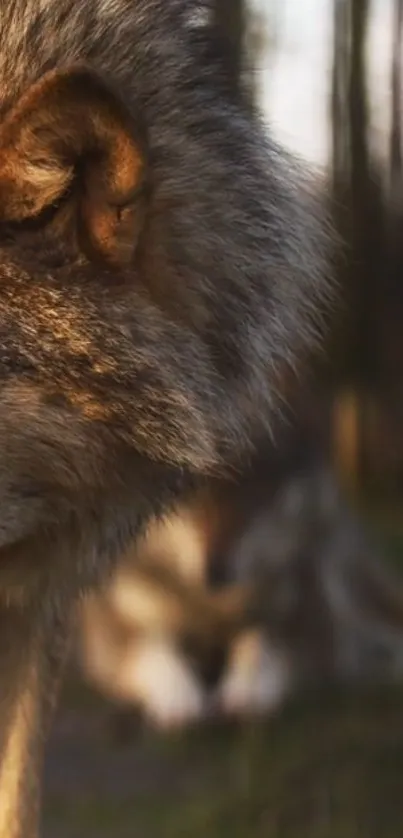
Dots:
pixel 161 262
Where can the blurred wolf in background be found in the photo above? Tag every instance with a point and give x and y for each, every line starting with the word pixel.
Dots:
pixel 241 597
pixel 161 262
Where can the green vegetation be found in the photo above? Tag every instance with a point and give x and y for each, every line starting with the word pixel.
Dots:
pixel 327 767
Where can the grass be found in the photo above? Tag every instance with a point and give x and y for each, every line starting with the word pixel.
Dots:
pixel 331 766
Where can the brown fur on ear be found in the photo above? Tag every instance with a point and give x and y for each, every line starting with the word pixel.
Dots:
pixel 70 134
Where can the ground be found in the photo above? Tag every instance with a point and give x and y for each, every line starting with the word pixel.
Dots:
pixel 328 767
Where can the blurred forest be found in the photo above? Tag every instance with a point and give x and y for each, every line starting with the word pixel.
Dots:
pixel 362 92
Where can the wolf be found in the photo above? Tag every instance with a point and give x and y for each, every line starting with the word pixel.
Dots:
pixel 245 595
pixel 162 262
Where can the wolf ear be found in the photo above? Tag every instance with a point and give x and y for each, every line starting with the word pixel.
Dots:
pixel 70 140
